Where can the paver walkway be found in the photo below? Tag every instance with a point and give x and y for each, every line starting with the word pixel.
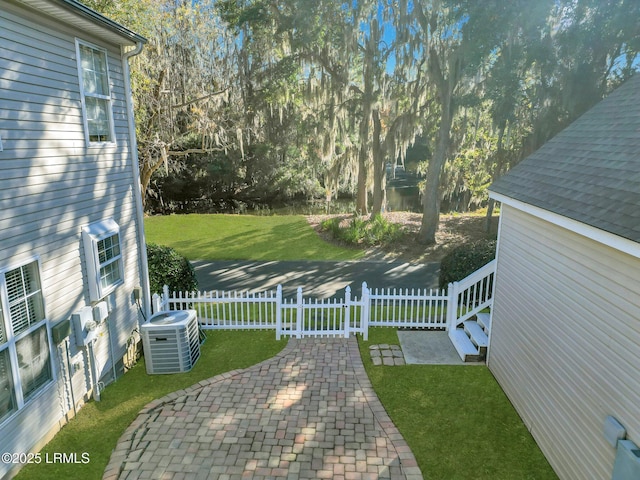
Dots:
pixel 308 413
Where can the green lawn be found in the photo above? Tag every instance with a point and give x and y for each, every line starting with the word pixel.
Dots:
pixel 98 425
pixel 456 419
pixel 243 237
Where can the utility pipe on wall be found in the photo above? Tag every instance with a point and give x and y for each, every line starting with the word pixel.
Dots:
pixel 73 397
pixel 137 190
pixel 94 371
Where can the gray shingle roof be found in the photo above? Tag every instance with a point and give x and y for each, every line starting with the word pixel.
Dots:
pixel 84 19
pixel 589 172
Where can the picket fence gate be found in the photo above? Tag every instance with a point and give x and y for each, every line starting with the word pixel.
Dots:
pixel 303 316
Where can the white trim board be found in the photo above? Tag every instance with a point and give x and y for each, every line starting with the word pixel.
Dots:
pixel 606 238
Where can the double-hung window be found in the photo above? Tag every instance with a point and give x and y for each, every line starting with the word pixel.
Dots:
pixel 96 93
pixel 25 354
pixel 103 256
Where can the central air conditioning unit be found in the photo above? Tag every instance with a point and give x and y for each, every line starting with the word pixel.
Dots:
pixel 171 341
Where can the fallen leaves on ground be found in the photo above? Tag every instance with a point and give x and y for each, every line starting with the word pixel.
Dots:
pixel 454 230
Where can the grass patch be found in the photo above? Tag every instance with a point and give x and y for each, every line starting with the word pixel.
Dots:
pixel 243 237
pixel 407 313
pixel 456 419
pixel 98 425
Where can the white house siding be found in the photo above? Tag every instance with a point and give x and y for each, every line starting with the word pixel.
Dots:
pixel 565 340
pixel 51 185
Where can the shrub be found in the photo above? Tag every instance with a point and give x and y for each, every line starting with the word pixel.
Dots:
pixel 356 232
pixel 466 259
pixel 383 232
pixel 167 267
pixel 332 225
pixel 361 231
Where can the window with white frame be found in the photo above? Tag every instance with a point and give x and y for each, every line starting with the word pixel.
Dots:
pixel 25 353
pixel 103 255
pixel 96 93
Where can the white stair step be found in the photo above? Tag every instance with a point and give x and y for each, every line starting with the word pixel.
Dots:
pixel 484 319
pixel 463 345
pixel 476 333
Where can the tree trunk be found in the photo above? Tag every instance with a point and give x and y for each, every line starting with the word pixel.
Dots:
pixel 495 175
pixel 431 195
pixel 367 102
pixel 361 196
pixel 431 203
pixel 147 168
pixel 379 171
pixel 362 206
pixel 146 171
pixel 489 218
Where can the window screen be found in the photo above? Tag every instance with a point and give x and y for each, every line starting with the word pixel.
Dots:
pixel 24 337
pixel 94 77
pixel 103 254
pixel 7 398
pixel 25 297
pixel 33 361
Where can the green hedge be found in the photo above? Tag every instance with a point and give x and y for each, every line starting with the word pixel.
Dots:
pixel 167 267
pixel 466 259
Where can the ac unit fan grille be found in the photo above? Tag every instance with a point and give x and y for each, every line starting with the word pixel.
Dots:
pixel 172 348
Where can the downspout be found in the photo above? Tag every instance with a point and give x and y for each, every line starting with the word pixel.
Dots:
pixel 137 190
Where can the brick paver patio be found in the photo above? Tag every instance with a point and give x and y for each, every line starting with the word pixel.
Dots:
pixel 308 413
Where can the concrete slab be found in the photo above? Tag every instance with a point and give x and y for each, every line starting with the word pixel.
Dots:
pixel 429 348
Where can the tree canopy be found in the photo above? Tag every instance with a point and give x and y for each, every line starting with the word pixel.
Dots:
pixel 256 101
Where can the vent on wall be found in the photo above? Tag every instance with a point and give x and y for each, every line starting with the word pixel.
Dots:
pixel 627 464
pixel 171 341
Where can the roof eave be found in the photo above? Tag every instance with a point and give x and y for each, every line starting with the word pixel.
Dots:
pixel 77 14
pixel 617 242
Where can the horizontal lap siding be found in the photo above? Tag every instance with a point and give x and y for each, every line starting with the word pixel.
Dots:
pixel 565 341
pixel 51 185
pixel 21 428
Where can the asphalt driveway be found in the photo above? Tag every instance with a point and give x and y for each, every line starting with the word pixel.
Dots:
pixel 320 279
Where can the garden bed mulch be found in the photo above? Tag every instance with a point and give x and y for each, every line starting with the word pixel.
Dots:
pixel 454 230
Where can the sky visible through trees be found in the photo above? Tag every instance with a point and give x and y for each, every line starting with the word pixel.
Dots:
pixel 259 101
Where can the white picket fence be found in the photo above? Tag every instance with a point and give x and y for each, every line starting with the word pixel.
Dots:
pixel 471 295
pixel 303 317
pixel 407 308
